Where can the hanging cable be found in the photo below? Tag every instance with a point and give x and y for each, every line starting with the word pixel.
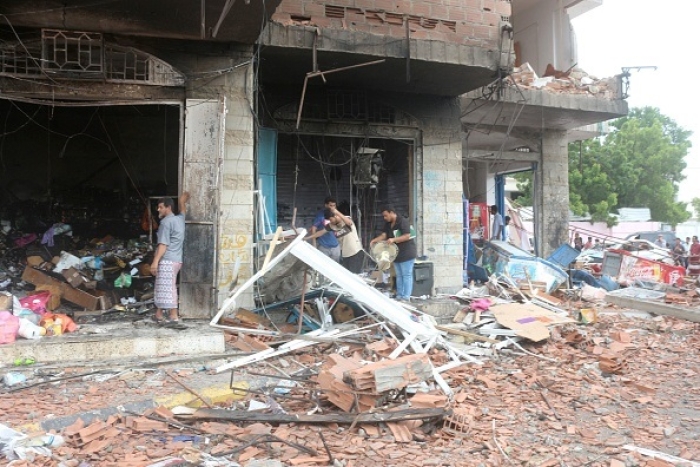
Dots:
pixel 121 161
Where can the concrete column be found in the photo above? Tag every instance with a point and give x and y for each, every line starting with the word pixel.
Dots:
pixel 237 172
pixel 475 178
pixel 551 193
pixel 440 210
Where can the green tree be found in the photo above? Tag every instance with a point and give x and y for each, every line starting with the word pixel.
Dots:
pixel 643 156
pixel 695 203
pixel 590 187
pixel 639 164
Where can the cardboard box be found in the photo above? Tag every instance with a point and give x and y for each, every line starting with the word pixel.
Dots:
pixel 5 301
pixel 80 298
pixel 75 277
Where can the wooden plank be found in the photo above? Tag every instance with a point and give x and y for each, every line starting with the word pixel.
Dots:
pixel 657 308
pixel 459 332
pixel 342 418
pixel 271 249
pixel 80 298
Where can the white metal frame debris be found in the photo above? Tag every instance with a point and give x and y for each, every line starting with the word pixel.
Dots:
pixel 422 334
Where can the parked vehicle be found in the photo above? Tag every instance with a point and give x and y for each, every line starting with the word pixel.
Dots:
pixel 652 235
pixel 645 249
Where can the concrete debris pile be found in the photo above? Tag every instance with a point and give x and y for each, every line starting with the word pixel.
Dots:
pixel 660 299
pixel 387 348
pixel 573 81
pixel 595 392
pixel 514 375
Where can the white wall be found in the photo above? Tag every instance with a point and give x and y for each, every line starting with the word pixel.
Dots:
pixel 544 31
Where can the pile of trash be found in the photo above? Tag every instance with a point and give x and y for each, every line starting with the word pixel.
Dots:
pixel 49 281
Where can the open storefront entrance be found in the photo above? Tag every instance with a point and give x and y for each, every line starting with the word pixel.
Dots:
pixel 362 174
pixel 96 167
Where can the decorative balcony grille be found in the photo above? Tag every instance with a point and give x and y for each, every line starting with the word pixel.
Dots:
pixel 84 56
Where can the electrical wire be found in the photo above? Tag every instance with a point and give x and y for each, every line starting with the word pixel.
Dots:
pixel 49 129
pixel 7 116
pixel 320 161
pixel 121 161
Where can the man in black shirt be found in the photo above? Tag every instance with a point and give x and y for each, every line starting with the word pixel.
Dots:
pixel 398 230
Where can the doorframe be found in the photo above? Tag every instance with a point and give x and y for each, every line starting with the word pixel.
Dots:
pixel 402 134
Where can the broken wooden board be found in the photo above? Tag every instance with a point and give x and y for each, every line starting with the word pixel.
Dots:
pixel 468 335
pixel 527 320
pixel 342 418
pixel 78 297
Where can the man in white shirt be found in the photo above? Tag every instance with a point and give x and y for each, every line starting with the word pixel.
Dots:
pixel 344 230
pixel 497 226
pixel 660 241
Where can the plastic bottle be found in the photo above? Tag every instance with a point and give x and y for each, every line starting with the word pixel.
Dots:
pixel 29 330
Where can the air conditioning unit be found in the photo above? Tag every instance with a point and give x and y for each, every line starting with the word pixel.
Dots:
pixel 368 163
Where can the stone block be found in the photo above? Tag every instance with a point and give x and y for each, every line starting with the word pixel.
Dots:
pixel 236 210
pixel 238 138
pixel 239 153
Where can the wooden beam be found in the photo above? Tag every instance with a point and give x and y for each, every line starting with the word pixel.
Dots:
pixel 344 418
pixel 459 332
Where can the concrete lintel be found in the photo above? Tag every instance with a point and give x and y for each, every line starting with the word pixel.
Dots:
pixel 348 129
pixel 655 307
pixel 87 91
pixel 518 156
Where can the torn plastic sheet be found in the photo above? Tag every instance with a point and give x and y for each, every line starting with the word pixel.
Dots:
pixel 16 445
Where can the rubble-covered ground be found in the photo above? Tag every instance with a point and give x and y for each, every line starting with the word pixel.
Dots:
pixel 551 406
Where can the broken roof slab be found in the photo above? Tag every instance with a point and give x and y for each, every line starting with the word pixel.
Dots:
pixel 528 113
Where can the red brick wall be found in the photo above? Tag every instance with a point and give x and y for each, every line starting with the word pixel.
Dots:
pixel 468 22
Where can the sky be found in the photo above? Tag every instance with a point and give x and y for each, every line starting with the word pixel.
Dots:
pixel 629 33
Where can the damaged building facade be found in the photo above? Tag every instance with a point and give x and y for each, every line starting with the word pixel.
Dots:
pixel 261 109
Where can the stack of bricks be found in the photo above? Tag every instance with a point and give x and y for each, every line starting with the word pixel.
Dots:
pixel 339 393
pixel 94 437
pixel 469 22
pixel 383 348
pixel 574 81
pixel 386 375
